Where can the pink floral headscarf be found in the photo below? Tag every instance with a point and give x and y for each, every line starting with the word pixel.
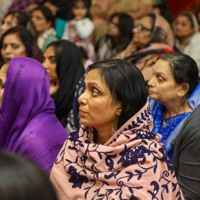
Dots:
pixel 131 165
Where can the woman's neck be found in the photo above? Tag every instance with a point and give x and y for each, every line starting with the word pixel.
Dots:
pixel 104 136
pixel 183 40
pixel 176 108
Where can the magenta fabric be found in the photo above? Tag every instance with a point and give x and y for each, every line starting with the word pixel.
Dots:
pixel 132 165
pixel 22 5
pixel 28 124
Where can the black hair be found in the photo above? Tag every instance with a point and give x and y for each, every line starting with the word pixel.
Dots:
pixel 20 179
pixel 126 84
pixel 69 69
pixel 184 69
pixel 164 9
pixel 27 39
pixel 125 26
pixel 83 53
pixel 23 20
pixel 47 14
pixel 87 4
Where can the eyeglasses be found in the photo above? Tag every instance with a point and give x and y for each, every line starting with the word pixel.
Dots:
pixel 141 27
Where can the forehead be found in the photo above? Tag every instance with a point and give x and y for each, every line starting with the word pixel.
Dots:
pixel 93 75
pixel 183 18
pixel 162 66
pixel 12 38
pixel 147 21
pixel 37 12
pixel 8 17
pixel 50 51
pixel 79 4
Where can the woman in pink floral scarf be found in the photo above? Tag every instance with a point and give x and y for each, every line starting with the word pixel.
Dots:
pixel 114 155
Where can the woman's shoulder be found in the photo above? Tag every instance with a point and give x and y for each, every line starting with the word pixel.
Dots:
pixel 193 120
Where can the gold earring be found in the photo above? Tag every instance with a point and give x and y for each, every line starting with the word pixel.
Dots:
pixel 179 94
pixel 119 112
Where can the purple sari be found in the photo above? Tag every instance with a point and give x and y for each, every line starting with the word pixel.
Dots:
pixel 28 124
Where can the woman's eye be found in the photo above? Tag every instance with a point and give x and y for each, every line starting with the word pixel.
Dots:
pixel 95 91
pixel 15 46
pixel 160 79
pixel 4 46
pixel 53 61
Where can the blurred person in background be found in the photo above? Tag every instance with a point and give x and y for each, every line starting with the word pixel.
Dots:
pixel 119 35
pixel 186 31
pixel 43 20
pixel 63 62
pixel 19 42
pixel 18 19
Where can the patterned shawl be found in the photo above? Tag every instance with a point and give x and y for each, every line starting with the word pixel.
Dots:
pixel 132 164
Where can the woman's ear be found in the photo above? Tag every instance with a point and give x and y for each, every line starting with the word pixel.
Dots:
pixel 184 88
pixel 119 108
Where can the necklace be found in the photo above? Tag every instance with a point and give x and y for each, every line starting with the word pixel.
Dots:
pixel 166 121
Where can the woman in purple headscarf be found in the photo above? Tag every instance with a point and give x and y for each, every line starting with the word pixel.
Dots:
pixel 28 124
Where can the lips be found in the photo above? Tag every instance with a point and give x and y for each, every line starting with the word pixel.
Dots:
pixel 150 92
pixel 81 112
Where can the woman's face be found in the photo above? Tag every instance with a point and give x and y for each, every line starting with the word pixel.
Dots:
pixel 3 74
pixel 79 10
pixel 40 22
pixel 12 47
pixel 142 32
pixel 97 107
pixel 162 86
pixel 50 64
pixel 8 23
pixel 183 27
pixel 113 29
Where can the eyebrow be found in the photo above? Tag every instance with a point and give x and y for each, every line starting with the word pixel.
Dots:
pixel 93 83
pixel 159 73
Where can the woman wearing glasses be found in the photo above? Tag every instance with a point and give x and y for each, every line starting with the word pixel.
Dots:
pixel 152 36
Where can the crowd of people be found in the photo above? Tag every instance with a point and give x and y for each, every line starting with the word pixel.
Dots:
pixel 101 96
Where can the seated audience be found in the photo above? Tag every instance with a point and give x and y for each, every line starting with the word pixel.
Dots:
pixel 152 36
pixel 44 23
pixel 63 62
pixel 119 35
pixel 114 155
pixel 17 19
pixel 175 103
pixel 28 124
pixel 19 42
pixel 20 179
pixel 186 31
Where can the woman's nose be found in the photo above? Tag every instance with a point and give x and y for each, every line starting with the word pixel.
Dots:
pixel 82 98
pixel 8 49
pixel 45 64
pixel 151 82
pixel 3 28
